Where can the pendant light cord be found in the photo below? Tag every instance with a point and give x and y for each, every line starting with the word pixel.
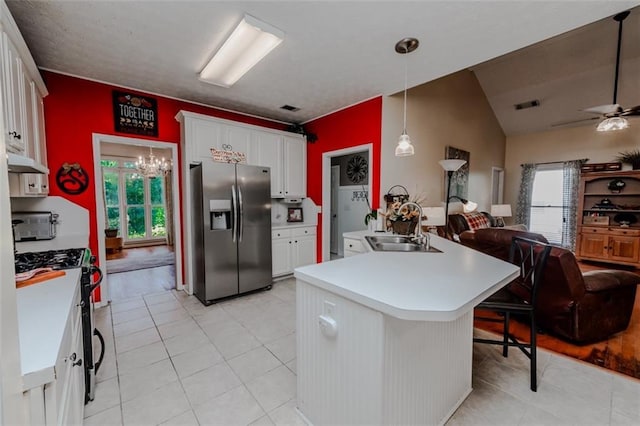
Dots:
pixel 405 93
pixel 615 83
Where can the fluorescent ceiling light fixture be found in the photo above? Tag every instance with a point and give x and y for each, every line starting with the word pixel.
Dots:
pixel 250 41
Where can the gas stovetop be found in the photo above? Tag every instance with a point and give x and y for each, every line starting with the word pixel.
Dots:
pixel 56 259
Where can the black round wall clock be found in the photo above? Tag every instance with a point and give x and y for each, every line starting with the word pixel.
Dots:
pixel 357 169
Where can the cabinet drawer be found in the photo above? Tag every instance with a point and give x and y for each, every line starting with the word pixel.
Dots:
pixel 353 245
pixel 625 232
pixel 594 230
pixel 280 233
pixel 299 232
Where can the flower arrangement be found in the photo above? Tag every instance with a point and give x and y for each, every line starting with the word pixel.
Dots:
pixel 403 220
pixel 630 157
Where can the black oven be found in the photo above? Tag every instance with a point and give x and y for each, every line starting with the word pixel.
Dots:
pixel 90 279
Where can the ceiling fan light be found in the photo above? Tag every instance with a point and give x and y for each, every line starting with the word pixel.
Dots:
pixel 612 123
pixel 404 147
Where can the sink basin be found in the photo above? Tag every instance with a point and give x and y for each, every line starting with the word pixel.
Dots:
pixel 389 239
pixel 398 243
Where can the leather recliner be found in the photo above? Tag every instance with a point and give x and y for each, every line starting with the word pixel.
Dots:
pixel 579 307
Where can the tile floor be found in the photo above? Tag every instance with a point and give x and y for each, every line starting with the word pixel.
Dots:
pixel 172 361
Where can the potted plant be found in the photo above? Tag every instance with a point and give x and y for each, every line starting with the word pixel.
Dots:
pixel 630 157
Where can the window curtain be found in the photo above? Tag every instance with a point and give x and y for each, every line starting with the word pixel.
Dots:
pixel 168 202
pixel 570 184
pixel 523 207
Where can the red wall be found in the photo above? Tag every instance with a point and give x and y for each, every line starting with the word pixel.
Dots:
pixel 77 108
pixel 356 125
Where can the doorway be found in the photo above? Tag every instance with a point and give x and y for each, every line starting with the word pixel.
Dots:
pixel 351 170
pixel 141 252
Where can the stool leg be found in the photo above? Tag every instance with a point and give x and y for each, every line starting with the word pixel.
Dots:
pixel 533 349
pixel 505 336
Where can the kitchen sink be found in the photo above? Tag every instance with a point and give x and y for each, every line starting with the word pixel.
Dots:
pixel 398 243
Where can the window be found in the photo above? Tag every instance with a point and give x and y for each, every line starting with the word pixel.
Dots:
pixel 547 205
pixel 134 204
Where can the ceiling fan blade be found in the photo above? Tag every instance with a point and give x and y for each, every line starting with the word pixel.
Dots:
pixel 603 109
pixel 631 111
pixel 568 123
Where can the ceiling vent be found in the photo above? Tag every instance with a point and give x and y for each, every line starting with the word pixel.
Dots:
pixel 290 108
pixel 529 104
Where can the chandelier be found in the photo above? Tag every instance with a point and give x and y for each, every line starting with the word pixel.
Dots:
pixel 152 166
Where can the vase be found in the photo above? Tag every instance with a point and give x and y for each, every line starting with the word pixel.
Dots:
pixel 403 227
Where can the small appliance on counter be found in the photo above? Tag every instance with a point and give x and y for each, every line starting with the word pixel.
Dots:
pixel 35 225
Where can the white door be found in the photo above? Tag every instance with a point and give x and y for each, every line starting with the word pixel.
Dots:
pixel 295 167
pixel 237 139
pixel 268 148
pixel 281 256
pixel 335 182
pixel 304 250
pixel 352 208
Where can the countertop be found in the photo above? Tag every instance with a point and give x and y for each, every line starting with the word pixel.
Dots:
pixel 43 310
pixel 413 286
pixel 283 225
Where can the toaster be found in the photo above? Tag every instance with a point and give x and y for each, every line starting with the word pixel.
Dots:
pixel 35 225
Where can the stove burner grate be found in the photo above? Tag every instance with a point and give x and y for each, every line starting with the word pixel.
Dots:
pixel 56 259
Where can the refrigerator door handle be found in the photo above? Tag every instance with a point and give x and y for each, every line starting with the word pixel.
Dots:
pixel 234 213
pixel 240 215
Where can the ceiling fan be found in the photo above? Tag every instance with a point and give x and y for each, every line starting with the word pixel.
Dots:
pixel 612 115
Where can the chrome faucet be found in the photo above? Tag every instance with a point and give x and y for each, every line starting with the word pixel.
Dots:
pixel 419 237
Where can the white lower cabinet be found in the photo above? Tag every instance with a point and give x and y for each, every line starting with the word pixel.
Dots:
pixel 352 247
pixel 61 402
pixel 291 248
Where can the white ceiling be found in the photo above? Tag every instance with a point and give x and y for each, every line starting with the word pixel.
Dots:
pixel 335 54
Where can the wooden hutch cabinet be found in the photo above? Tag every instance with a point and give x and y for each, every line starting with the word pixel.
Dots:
pixel 606 201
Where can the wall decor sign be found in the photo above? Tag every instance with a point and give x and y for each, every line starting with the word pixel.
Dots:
pixel 459 184
pixel 224 156
pixel 135 114
pixel 72 179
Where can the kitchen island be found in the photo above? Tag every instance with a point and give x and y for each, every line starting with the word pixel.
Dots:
pixel 386 337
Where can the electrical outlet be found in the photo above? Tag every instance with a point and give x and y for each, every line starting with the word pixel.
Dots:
pixel 329 308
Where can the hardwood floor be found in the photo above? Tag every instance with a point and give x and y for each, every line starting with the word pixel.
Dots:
pixel 138 282
pixel 139 252
pixel 620 353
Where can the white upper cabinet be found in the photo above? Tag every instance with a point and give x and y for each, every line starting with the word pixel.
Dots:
pixel 237 139
pixel 295 167
pixel 285 153
pixel 13 97
pixel 23 114
pixel 268 152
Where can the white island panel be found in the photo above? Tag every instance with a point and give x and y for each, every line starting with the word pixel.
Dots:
pixel 402 348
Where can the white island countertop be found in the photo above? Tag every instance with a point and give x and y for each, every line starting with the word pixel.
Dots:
pixel 43 310
pixel 413 286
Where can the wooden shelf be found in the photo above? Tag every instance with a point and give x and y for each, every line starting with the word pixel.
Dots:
pixel 608 242
pixel 612 194
pixel 611 211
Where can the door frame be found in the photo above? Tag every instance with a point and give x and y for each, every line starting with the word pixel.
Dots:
pixel 177 226
pixel 326 190
pixel 334 192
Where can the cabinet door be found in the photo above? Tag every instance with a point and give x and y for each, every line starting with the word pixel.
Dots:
pixel 205 135
pixel 237 139
pixel 623 248
pixel 268 149
pixel 13 87
pixel 593 245
pixel 295 167
pixel 304 251
pixel 28 114
pixel 281 256
pixel 41 140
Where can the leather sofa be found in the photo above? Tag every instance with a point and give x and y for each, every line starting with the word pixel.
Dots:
pixel 457 224
pixel 581 308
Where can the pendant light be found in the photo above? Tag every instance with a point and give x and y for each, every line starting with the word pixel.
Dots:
pixel 404 148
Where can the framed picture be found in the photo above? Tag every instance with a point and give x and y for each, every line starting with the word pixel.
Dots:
pixel 294 214
pixel 460 179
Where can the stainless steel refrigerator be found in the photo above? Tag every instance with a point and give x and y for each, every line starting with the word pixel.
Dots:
pixel 231 230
